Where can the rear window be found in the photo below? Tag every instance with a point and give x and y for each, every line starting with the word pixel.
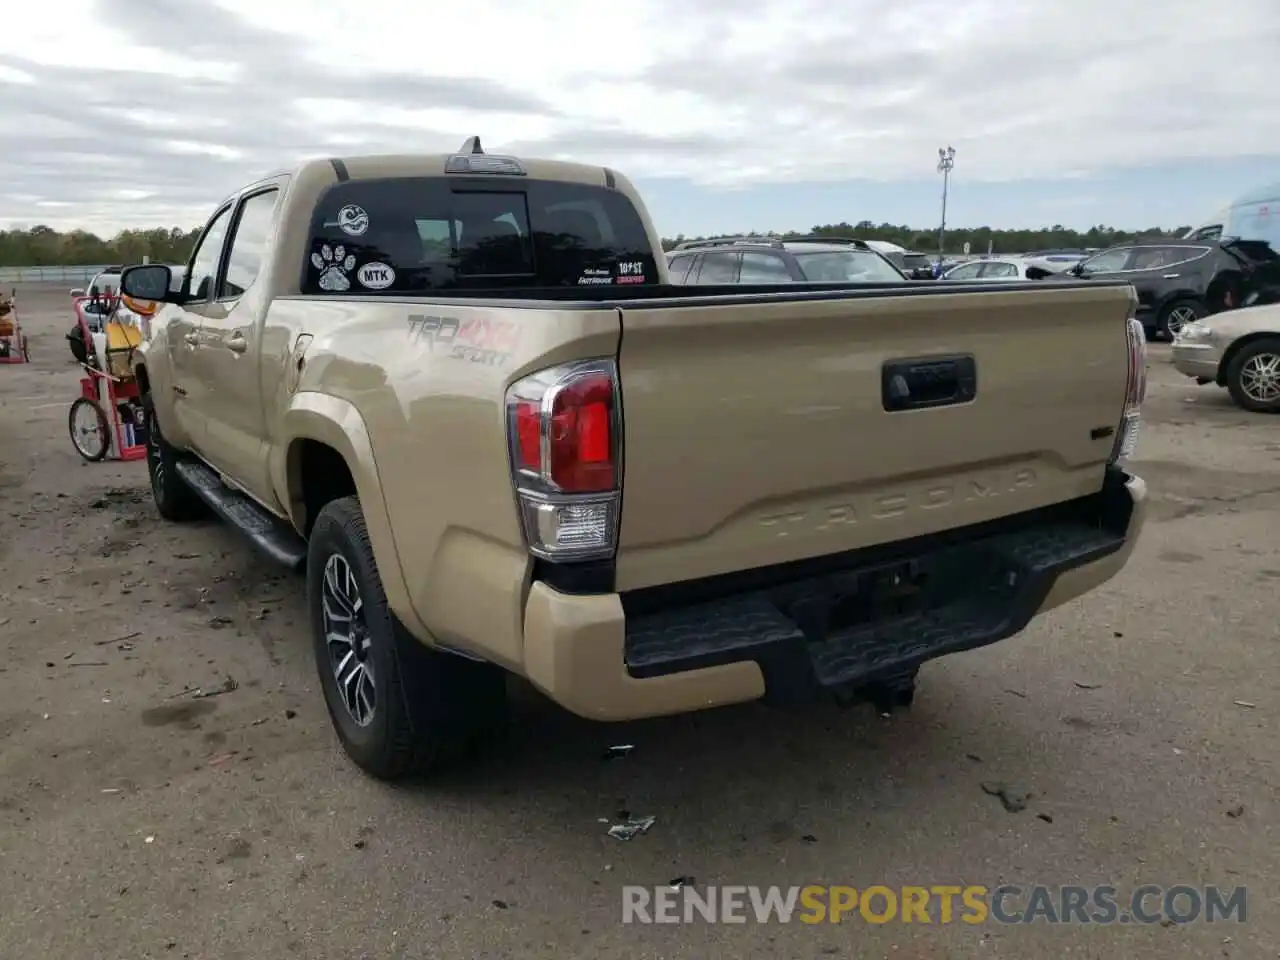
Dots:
pixel 426 234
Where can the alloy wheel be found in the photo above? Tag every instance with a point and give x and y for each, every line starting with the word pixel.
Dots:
pixel 347 638
pixel 1260 378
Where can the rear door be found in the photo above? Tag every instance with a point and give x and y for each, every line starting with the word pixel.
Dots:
pixel 756 429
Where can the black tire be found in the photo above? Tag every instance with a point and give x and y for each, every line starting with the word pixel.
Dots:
pixel 26 348
pixel 75 340
pixel 1250 357
pixel 93 452
pixel 175 501
pixel 452 699
pixel 1177 314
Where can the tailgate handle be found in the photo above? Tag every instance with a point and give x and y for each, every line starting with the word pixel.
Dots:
pixel 914 384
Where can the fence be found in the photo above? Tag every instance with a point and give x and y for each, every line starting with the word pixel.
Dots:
pixel 73 276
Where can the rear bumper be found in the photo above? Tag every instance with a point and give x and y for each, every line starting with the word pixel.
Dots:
pixel 612 657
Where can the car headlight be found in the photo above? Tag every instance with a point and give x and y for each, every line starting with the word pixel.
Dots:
pixel 1195 330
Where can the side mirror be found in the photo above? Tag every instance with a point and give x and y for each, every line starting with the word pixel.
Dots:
pixel 150 281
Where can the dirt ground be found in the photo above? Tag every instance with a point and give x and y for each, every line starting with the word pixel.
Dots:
pixel 141 816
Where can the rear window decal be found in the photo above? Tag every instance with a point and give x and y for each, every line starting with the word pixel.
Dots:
pixel 352 220
pixel 375 276
pixel 595 276
pixel 334 263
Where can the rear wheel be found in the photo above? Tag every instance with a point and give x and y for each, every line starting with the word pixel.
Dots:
pixel 90 432
pixel 174 499
pixel 1253 376
pixel 1178 314
pixel 397 707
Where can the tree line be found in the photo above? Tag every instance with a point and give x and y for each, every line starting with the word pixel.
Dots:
pixel 42 246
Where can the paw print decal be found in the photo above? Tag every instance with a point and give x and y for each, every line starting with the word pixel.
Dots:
pixel 334 263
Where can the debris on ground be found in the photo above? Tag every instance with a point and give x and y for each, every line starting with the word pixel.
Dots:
pixel 631 828
pixel 219 622
pixel 1244 703
pixel 679 883
pixel 1016 693
pixel 1045 817
pixel 1014 799
pixel 126 637
pixel 1236 812
pixel 618 751
pixel 1088 686
pixel 228 685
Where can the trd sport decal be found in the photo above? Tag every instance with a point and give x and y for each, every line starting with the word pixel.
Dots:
pixel 478 340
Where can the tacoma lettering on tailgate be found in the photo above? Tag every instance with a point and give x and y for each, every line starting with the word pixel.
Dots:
pixel 889 506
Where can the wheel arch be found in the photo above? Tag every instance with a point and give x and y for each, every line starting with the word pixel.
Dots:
pixel 1233 351
pixel 327 454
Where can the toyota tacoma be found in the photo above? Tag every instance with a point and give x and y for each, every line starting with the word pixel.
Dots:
pixel 460 393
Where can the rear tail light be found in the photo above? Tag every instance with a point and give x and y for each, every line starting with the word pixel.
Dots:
pixel 1135 392
pixel 565 440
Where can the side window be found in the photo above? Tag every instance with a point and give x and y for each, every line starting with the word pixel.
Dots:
pixel 999 270
pixel 718 268
pixel 678 268
pixel 967 272
pixel 1109 261
pixel 763 268
pixel 249 243
pixel 204 262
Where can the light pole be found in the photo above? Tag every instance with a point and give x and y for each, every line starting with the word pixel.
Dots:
pixel 946 161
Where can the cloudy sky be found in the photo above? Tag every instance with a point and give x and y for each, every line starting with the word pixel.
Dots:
pixel 730 114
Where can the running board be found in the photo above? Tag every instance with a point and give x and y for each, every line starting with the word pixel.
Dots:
pixel 271 535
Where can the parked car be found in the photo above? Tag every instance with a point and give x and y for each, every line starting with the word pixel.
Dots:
pixel 765 260
pixel 1179 281
pixel 917 266
pixel 1000 269
pixel 1239 350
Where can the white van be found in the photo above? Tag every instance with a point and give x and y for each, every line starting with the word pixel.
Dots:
pixel 1252 216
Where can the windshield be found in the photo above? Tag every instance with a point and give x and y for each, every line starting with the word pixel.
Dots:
pixel 1255 221
pixel 862 266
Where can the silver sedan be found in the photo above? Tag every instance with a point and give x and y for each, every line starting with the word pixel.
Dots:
pixel 997 269
pixel 1236 349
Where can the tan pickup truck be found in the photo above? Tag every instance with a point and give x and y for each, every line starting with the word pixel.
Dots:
pixel 461 394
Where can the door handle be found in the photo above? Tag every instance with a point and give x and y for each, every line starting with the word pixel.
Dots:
pixel 1171 276
pixel 236 343
pixel 191 338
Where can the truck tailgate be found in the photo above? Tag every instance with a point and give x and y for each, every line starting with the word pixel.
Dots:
pixel 756 429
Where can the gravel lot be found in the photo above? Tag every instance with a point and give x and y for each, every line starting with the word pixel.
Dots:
pixel 139 820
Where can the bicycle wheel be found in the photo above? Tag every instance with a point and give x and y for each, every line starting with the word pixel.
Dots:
pixel 90 432
pixel 26 348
